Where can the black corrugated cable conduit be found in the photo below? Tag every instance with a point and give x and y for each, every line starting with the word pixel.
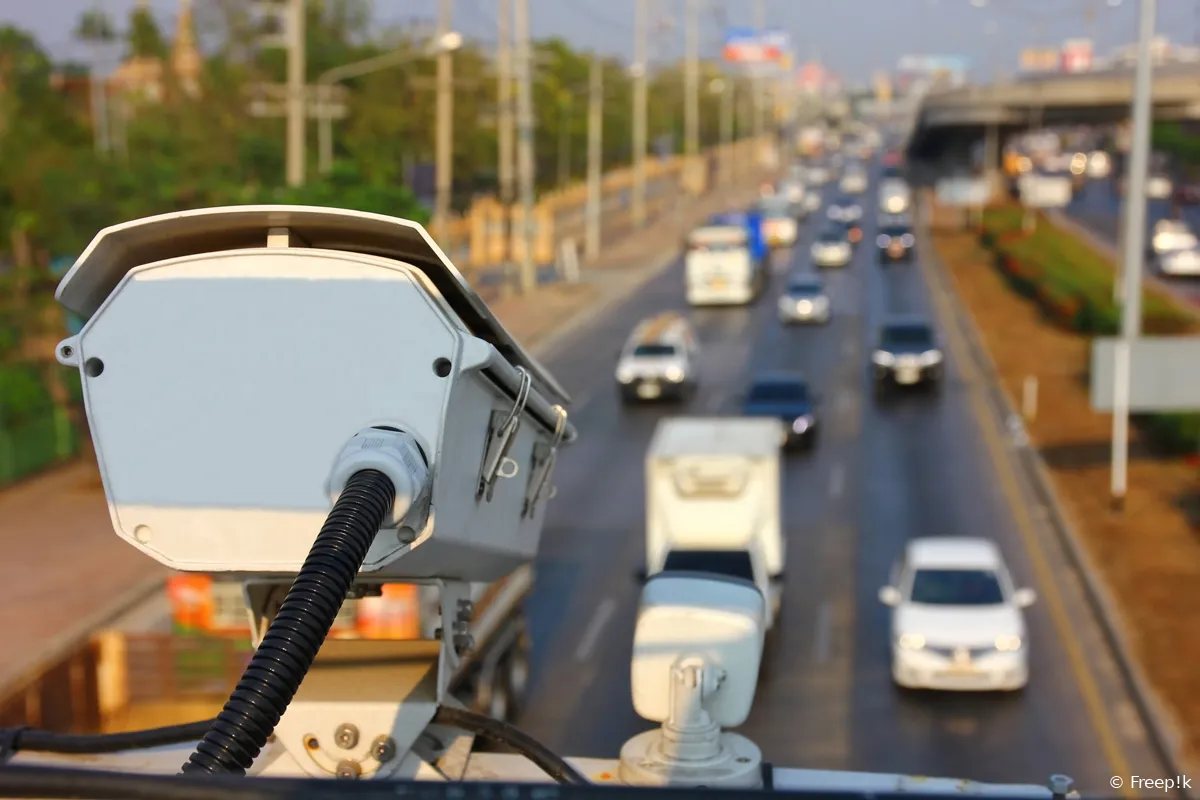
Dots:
pixel 288 649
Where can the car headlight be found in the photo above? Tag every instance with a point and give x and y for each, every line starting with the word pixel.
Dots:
pixel 804 305
pixel 930 357
pixel 910 641
pixel 855 211
pixel 626 375
pixel 883 358
pixel 907 240
pixel 883 241
pixel 1008 644
pixel 674 374
pixel 801 424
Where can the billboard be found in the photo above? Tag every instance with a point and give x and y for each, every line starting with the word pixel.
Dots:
pixel 1041 59
pixel 751 46
pixel 1077 55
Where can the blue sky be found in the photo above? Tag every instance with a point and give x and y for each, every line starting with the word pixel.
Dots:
pixel 853 37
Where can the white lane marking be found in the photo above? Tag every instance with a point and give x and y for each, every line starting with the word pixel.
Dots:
pixel 715 402
pixel 837 480
pixel 591 635
pixel 821 641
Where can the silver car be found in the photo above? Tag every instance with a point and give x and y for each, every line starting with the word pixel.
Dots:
pixel 804 300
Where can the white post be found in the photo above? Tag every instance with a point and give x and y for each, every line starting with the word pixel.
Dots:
pixel 1135 238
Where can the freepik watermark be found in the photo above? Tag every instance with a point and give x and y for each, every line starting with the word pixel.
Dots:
pixel 1143 783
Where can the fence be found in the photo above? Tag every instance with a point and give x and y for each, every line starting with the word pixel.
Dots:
pixel 65 697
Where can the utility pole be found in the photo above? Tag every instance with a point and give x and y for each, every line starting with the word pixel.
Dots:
pixel 728 86
pixel 691 109
pixel 444 149
pixel 595 157
pixel 1135 239
pixel 640 25
pixel 504 131
pixel 525 142
pixel 297 92
pixel 760 104
pixel 504 99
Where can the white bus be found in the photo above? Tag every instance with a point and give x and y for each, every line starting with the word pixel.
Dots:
pixel 719 267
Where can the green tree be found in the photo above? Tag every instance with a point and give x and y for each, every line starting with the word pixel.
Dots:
pixel 144 38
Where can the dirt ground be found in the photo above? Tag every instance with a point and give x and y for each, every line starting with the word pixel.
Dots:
pixel 1150 555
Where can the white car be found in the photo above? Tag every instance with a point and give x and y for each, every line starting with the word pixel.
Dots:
pixel 854 181
pixel 1180 262
pixel 1171 235
pixel 804 300
pixel 1158 187
pixel 832 249
pixel 958 624
pixel 1099 165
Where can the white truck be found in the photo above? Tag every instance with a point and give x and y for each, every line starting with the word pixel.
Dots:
pixel 719 268
pixel 713 501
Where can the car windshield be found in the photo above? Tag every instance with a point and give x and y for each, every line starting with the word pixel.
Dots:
pixel 832 236
pixel 844 202
pixel 653 350
pixel 778 392
pixel 895 231
pixel 892 172
pixel 804 289
pixel 914 335
pixel 956 587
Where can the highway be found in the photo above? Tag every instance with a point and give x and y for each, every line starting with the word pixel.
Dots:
pixel 880 475
pixel 1097 206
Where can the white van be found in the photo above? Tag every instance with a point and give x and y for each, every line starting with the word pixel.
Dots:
pixel 659 361
pixel 713 500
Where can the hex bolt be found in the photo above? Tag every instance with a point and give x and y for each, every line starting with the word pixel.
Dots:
pixel 1060 785
pixel 346 736
pixel 384 749
pixel 348 769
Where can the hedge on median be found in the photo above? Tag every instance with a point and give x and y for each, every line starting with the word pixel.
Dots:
pixel 1072 285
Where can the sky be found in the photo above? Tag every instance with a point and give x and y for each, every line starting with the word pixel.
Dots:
pixel 854 38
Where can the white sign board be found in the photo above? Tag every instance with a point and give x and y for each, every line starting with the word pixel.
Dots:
pixel 1164 374
pixel 1045 191
pixel 963 192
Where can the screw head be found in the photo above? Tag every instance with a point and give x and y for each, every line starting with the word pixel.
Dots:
pixel 384 749
pixel 348 770
pixel 346 736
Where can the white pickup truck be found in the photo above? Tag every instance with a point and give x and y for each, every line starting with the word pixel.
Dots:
pixel 713 501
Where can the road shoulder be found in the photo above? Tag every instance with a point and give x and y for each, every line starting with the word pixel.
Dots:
pixel 1149 558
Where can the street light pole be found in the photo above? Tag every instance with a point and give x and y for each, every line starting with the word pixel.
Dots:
pixel 640 25
pixel 760 101
pixel 328 79
pixel 691 109
pixel 1135 243
pixel 297 110
pixel 595 157
pixel 525 142
pixel 444 150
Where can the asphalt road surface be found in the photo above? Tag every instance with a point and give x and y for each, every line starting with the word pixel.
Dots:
pixel 1097 206
pixel 881 474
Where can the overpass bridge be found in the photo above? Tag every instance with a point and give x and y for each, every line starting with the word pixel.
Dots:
pixel 950 123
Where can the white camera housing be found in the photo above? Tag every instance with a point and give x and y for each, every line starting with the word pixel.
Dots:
pixel 717 619
pixel 696 654
pixel 230 354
